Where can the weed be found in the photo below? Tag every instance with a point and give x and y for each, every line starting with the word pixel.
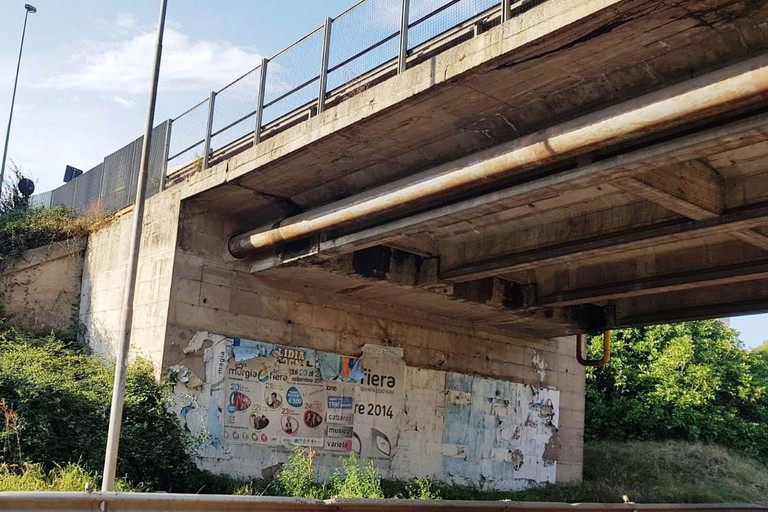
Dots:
pixel 296 478
pixel 356 478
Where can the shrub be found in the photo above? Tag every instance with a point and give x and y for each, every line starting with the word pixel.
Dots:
pixel 61 397
pixel 26 228
pixel 356 478
pixel 296 478
pixel 691 381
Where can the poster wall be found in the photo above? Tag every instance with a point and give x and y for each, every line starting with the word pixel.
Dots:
pixel 258 399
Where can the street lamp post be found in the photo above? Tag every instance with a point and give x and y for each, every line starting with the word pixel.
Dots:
pixel 28 9
pixel 126 314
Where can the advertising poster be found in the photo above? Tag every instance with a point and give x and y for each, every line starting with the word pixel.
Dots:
pixel 276 397
pixel 340 416
pixel 378 404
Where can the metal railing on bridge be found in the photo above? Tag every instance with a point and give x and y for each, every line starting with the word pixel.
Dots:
pixel 366 44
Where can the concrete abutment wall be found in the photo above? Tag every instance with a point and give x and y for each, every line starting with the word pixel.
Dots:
pixel 40 289
pixel 188 288
pixel 215 295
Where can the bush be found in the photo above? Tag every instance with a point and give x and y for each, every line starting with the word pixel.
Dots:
pixel 691 381
pixel 61 396
pixel 26 228
pixel 296 478
pixel 356 478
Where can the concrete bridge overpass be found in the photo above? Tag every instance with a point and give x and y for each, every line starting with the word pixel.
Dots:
pixel 588 165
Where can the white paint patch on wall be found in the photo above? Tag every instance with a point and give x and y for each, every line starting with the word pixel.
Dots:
pixel 410 422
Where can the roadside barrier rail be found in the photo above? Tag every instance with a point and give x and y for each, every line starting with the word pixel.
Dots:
pixel 149 502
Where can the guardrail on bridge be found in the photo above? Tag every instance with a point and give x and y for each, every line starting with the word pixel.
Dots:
pixel 366 44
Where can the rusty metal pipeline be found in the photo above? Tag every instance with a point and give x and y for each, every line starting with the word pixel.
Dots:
pixel 583 361
pixel 726 89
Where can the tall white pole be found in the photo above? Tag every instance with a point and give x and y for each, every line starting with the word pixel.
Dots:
pixel 28 8
pixel 126 317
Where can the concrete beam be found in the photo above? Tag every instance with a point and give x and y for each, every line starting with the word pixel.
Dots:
pixel 392 265
pixel 691 189
pixel 616 243
pixel 678 281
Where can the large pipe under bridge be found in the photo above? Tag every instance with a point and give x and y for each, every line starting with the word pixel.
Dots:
pixel 731 88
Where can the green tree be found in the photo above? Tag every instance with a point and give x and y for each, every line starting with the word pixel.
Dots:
pixel 691 381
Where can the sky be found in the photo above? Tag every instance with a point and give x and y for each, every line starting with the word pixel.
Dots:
pixel 86 68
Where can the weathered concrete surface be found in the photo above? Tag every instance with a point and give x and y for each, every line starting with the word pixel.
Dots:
pixel 40 290
pixel 562 239
pixel 303 308
pixel 664 224
pixel 104 280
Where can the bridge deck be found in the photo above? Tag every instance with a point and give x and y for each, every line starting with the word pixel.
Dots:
pixel 661 224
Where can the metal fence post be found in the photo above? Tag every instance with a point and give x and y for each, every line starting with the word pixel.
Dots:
pixel 260 104
pixel 100 198
pixel 401 63
pixel 324 65
pixel 166 149
pixel 74 192
pixel 208 130
pixel 506 10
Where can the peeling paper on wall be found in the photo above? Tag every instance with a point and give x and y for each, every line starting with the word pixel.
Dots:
pixel 410 422
pixel 540 365
pixel 244 350
pixel 200 337
pixel 186 377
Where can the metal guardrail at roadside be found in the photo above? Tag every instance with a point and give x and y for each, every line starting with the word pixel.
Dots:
pixel 129 502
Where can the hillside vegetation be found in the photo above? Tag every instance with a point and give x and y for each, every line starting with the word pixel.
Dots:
pixel 54 400
pixel 679 414
pixel 690 381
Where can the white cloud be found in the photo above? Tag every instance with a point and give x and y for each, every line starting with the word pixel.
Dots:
pixel 125 66
pixel 126 21
pixel 123 102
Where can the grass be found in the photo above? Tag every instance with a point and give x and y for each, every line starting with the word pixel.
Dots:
pixel 645 472
pixel 26 228
pixel 672 472
pixel 70 477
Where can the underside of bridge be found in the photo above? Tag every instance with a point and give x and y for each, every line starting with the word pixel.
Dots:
pixel 610 173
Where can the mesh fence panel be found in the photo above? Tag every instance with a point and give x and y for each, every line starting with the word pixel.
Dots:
pixel 41 200
pixel 363 39
pixel 64 195
pixel 134 170
pixel 88 188
pixel 235 109
pixel 293 77
pixel 430 18
pixel 157 156
pixel 187 137
pixel 119 171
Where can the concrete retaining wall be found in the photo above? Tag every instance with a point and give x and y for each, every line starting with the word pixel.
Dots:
pixel 40 289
